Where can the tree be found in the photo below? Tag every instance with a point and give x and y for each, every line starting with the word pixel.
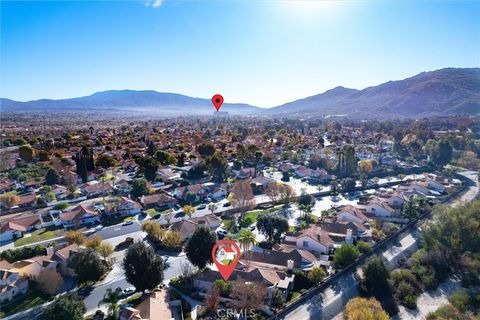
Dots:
pixel 165 158
pixel 376 276
pixel 105 249
pixel 286 193
pixel 345 255
pixel 199 247
pixel 112 298
pixel 217 165
pixel 93 242
pixel 43 155
pixel 243 195
pixel 273 192
pixel 206 149
pixel 52 177
pixel 212 207
pixel 9 200
pixel 246 238
pixel 364 247
pixel 316 274
pixel 272 226
pixel 153 230
pixel 151 149
pixel 347 162
pixel 143 268
pixel 148 166
pixel 348 184
pixel 66 307
pixel 277 299
pixel 212 298
pixel 105 161
pixel 75 237
pixel 139 188
pixel 305 199
pixel 172 239
pixel 188 210
pixel 49 281
pixel 26 153
pixel 364 309
pixel 439 152
pixel 246 296
pixel 409 210
pixel 87 266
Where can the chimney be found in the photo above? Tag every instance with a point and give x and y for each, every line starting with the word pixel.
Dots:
pixel 49 251
pixel 290 265
pixel 349 238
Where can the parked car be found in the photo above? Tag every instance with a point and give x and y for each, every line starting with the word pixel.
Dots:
pixel 128 291
pixel 227 204
pixel 201 207
pixel 127 223
pixel 157 216
pixel 251 228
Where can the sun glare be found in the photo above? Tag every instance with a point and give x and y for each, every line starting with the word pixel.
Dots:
pixel 311 9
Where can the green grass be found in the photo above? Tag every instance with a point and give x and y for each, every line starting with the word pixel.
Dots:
pixel 134 299
pixel 151 212
pixel 294 295
pixel 38 235
pixel 24 302
pixel 252 215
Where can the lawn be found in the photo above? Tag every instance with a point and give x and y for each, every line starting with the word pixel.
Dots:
pixel 252 215
pixel 27 301
pixel 151 212
pixel 294 295
pixel 36 236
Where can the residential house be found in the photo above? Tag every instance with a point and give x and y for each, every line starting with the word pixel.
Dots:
pixel 261 183
pixel 155 306
pixel 379 209
pixel 319 176
pixel 16 227
pixel 312 239
pixel 245 173
pixel 199 191
pixel 7 186
pixel 63 256
pixel 351 213
pixel 185 227
pixel 279 259
pixel 70 178
pixel 11 285
pixel 27 200
pixel 160 201
pixel 210 220
pixel 345 231
pixel 123 207
pixel 79 216
pixel 97 189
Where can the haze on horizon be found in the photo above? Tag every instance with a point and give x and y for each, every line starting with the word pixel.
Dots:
pixel 262 53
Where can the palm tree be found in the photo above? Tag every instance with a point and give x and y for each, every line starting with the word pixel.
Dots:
pixel 246 238
pixel 112 298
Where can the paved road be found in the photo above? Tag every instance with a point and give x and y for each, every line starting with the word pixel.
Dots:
pixel 329 303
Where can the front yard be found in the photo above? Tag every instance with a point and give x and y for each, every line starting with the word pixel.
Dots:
pixel 27 301
pixel 36 236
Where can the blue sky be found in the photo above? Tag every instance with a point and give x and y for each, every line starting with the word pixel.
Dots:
pixel 259 52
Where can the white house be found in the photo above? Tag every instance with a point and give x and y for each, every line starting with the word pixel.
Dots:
pixel 310 239
pixel 351 213
pixel 79 216
pixel 11 285
pixel 379 208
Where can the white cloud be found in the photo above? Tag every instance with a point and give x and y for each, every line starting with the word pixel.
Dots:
pixel 154 3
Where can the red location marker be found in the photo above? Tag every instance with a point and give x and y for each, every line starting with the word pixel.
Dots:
pixel 217 101
pixel 225 254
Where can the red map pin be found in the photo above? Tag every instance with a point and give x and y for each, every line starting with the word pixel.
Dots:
pixel 226 254
pixel 217 101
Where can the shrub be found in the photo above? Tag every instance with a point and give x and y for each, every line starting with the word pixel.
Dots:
pixel 460 300
pixel 410 301
pixel 364 247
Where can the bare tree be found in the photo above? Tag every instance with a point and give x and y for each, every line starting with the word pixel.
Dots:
pixel 243 195
pixel 212 298
pixel 246 296
pixel 273 192
pixel 286 193
pixel 49 280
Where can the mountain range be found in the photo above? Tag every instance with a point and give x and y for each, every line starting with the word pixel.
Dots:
pixel 449 91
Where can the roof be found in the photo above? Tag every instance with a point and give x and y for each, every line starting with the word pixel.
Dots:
pixel 265 277
pixel 157 198
pixel 316 233
pixel 185 227
pixel 206 219
pixel 356 212
pixel 65 253
pixel 156 306
pixel 77 213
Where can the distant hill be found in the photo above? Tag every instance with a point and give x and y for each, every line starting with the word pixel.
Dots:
pixel 448 91
pixel 168 104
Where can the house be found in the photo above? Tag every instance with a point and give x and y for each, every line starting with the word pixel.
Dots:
pixel 7 186
pixel 261 183
pixel 27 200
pixel 225 253
pixel 219 192
pixel 16 227
pixel 62 257
pixel 97 189
pixel 396 200
pixel 434 185
pixel 79 216
pixel 70 178
pixel 160 201
pixel 280 259
pixel 312 239
pixel 29 269
pixel 268 278
pixel 345 231
pixel 185 227
pixel 210 220
pixel 122 186
pixel 197 190
pixel 155 306
pixel 351 213
pixel 123 207
pixel 245 173
pixel 379 209
pixel 11 285
pixel 303 172
pixel 319 176
pixel 61 192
